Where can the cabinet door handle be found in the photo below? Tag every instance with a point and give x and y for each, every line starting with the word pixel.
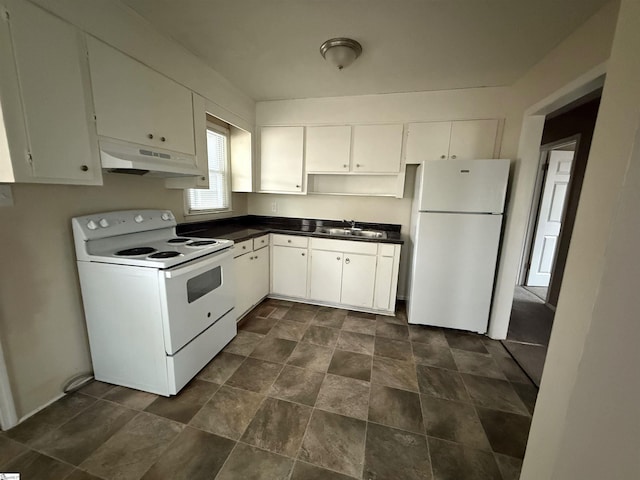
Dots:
pixel 443 156
pixel 288 241
pixel 453 157
pixel 150 136
pixel 84 168
pixel 347 260
pixel 297 186
pixel 337 258
pixel 303 254
pixel 163 139
pixel 358 165
pixel 345 166
pixel 244 247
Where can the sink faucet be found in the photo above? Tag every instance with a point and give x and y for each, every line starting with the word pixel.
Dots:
pixel 352 222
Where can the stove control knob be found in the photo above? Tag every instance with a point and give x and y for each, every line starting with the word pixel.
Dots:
pixel 104 223
pixel 165 216
pixel 138 219
pixel 91 225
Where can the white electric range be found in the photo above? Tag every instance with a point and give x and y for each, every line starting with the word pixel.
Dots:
pixel 158 306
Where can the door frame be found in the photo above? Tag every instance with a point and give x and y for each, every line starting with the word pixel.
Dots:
pixel 8 414
pixel 536 200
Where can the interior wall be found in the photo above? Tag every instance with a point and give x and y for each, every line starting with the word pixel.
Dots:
pixel 41 319
pixel 565 71
pixel 586 420
pixel 393 108
pixel 579 120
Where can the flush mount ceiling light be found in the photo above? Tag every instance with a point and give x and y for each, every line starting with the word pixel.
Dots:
pixel 340 51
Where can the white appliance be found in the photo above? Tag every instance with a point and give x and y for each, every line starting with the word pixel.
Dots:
pixel 455 233
pixel 158 307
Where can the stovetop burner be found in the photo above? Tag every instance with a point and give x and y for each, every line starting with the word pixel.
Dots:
pixel 178 240
pixel 201 243
pixel 132 252
pixel 166 254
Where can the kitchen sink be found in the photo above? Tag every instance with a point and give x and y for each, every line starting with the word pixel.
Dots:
pixel 352 232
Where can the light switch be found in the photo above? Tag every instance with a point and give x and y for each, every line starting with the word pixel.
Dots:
pixel 6 197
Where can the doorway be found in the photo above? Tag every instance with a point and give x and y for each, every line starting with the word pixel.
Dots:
pixel 555 172
pixel 564 150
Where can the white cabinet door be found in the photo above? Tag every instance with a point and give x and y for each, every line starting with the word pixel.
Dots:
pixel 289 271
pixel 358 278
pixel 326 276
pixel 260 274
pixel 376 148
pixel 384 282
pixel 281 159
pixel 473 139
pixel 46 100
pixel 137 104
pixel 328 148
pixel 244 287
pixel 241 160
pixel 427 141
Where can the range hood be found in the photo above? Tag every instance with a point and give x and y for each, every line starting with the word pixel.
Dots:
pixel 134 159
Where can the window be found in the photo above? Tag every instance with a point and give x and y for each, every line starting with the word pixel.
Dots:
pixel 216 198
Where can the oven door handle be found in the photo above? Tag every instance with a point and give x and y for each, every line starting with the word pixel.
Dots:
pixel 202 263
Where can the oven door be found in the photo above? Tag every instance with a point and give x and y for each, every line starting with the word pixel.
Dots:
pixel 195 296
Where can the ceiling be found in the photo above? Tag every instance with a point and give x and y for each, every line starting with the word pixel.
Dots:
pixel 270 48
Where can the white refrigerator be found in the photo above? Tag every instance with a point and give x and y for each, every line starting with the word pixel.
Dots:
pixel 455 233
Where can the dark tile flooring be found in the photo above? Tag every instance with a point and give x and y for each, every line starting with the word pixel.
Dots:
pixel 302 392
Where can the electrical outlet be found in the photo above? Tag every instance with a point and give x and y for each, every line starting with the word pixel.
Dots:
pixel 6 197
pixel 274 207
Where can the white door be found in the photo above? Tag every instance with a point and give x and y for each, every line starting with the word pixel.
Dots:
pixel 358 279
pixel 427 141
pixel 328 148
pixel 453 269
pixel 260 274
pixel 474 186
pixel 554 194
pixel 472 139
pixel 289 271
pixel 242 265
pixel 376 148
pixel 281 158
pixel 326 276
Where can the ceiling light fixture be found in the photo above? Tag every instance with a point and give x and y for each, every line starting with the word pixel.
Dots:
pixel 340 51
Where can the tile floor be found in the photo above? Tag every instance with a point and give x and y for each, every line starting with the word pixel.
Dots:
pixel 302 392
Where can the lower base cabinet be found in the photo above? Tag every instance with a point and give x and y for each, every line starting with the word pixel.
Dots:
pixel 252 276
pixel 289 266
pixel 358 280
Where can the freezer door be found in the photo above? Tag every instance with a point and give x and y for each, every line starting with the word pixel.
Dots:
pixel 474 186
pixel 453 269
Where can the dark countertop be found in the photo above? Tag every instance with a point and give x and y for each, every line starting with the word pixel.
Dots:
pixel 243 228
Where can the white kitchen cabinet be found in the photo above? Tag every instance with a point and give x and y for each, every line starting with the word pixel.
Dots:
pixel 289 271
pixel 47 114
pixel 328 149
pixel 462 140
pixel 325 282
pixel 376 148
pixel 473 139
pixel 281 159
pixel 252 272
pixel 358 280
pixel 240 149
pixel 137 104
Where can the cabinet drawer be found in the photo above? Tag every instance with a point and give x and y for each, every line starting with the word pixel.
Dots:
pixel 260 242
pixel 344 246
pixel 290 241
pixel 386 249
pixel 243 247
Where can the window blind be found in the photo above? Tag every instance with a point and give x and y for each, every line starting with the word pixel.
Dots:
pixel 217 196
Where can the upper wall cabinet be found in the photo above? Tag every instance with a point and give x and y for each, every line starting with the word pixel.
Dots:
pixel 377 148
pixel 462 140
pixel 47 115
pixel 137 104
pixel 281 159
pixel 328 149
